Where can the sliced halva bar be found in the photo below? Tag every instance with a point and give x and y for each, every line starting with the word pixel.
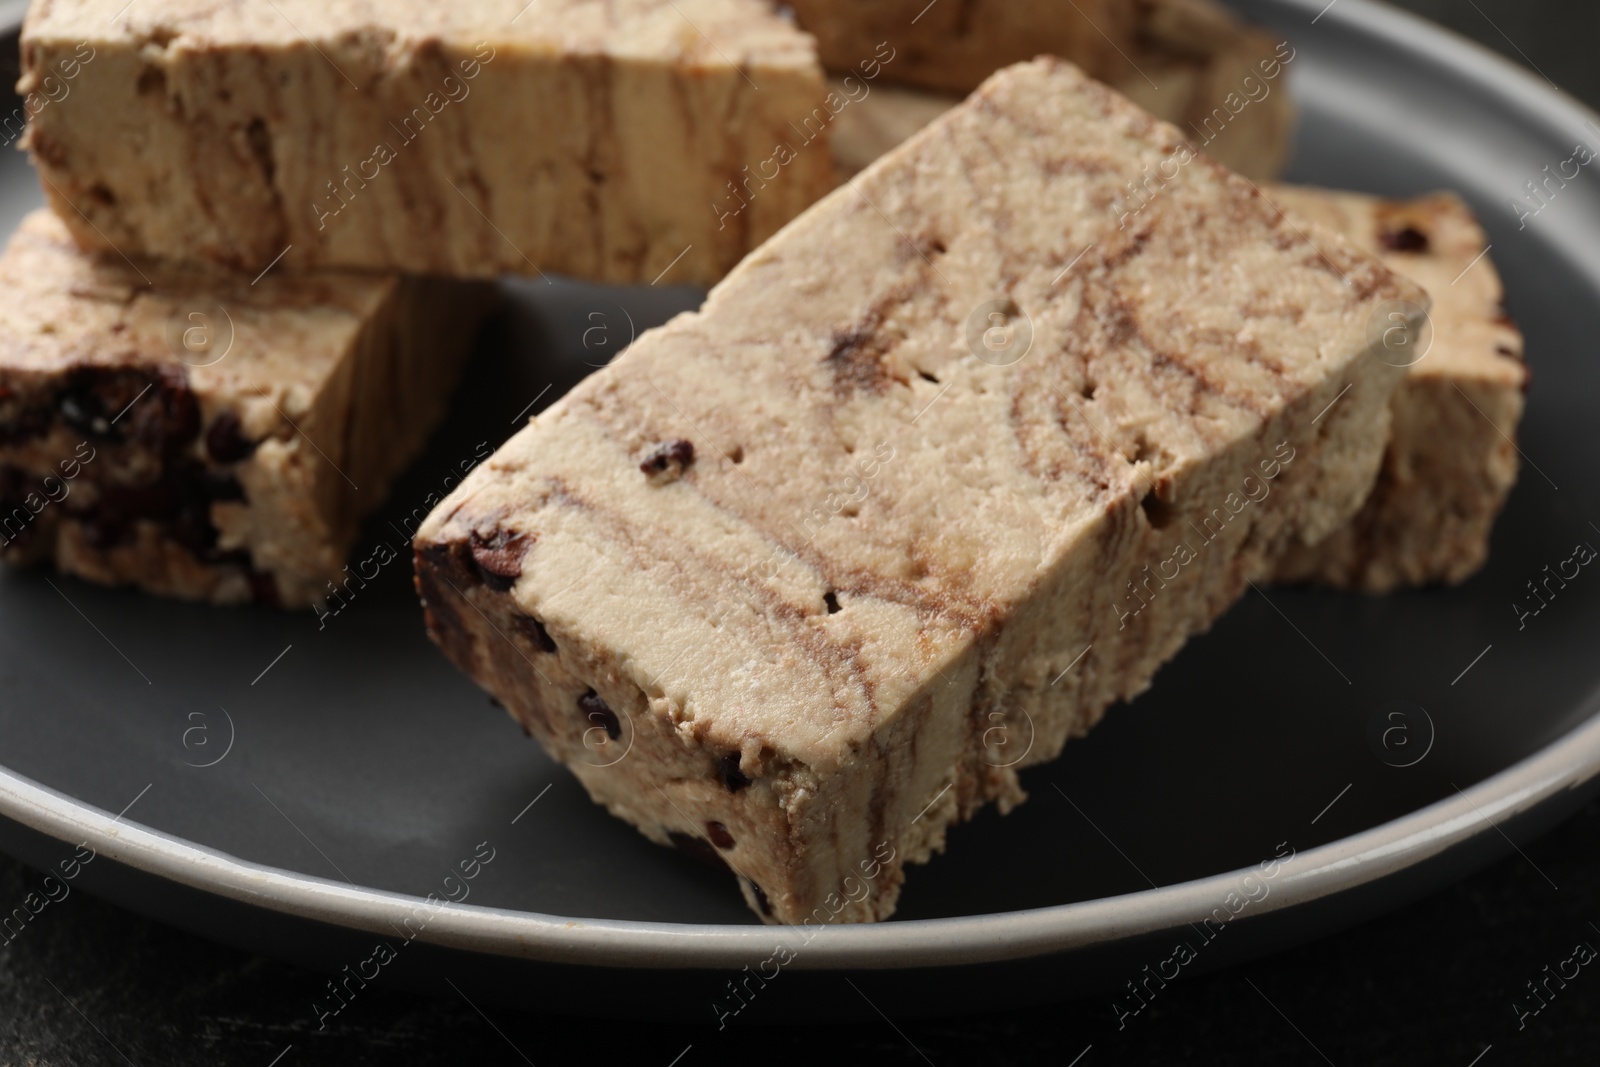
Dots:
pixel 947 467
pixel 1452 456
pixel 587 137
pixel 204 437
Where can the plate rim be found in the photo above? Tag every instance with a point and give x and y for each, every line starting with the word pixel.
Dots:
pixel 12 12
pixel 1564 765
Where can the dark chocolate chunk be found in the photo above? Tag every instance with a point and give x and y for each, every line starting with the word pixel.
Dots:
pixel 448 566
pixel 599 713
pixel 444 623
pixel 191 527
pixel 178 501
pixel 719 835
pixel 82 409
pixel 180 408
pixel 238 557
pixel 156 500
pixel 831 600
pixel 442 557
pixel 534 631
pixel 225 440
pixel 160 412
pixel 103 529
pixel 17 528
pixel 264 587
pixel 671 458
pixel 699 848
pixel 220 486
pixel 1405 239
pixel 190 523
pixel 22 424
pixel 499 557
pixel 732 776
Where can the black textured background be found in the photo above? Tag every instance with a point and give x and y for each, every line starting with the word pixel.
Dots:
pixel 90 984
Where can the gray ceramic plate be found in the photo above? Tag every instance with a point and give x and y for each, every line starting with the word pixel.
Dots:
pixel 298 790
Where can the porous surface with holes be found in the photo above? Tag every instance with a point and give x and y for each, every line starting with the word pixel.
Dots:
pixel 936 475
pixel 203 437
pixel 1452 456
pixel 596 138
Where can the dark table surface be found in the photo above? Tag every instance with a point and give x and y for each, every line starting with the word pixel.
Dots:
pixel 1434 983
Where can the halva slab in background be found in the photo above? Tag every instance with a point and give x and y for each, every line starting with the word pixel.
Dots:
pixel 1452 457
pixel 1196 65
pixel 954 47
pixel 585 137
